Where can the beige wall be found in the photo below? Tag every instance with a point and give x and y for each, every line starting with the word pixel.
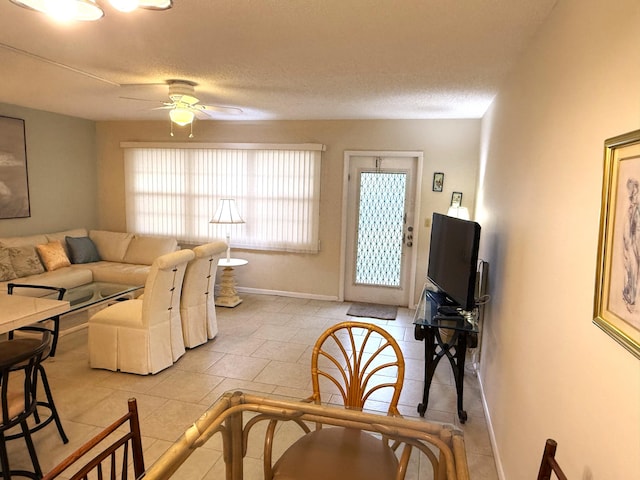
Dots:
pixel 61 164
pixel 546 370
pixel 450 146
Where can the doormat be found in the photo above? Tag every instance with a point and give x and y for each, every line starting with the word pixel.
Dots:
pixel 373 310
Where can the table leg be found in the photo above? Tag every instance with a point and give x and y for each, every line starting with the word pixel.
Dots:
pixel 435 347
pixel 228 295
pixel 458 373
pixel 431 362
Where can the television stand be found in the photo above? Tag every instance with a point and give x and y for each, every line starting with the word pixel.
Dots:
pixel 444 335
pixel 448 311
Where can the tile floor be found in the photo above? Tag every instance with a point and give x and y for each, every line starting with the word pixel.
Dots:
pixel 263 346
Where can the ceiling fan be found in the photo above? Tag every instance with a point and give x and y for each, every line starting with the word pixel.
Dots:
pixel 184 105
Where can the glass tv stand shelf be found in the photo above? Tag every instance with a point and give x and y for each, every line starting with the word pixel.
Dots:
pixel 446 332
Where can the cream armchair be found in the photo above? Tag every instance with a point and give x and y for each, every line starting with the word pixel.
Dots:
pixel 143 335
pixel 197 304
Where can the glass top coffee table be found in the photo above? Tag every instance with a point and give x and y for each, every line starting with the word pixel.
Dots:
pixel 92 295
pixel 83 296
pixel 97 292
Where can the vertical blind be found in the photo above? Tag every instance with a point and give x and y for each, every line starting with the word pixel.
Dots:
pixel 175 190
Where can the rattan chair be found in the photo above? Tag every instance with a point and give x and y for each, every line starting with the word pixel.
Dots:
pixel 19 361
pixel 353 363
pixel 115 448
pixel 549 464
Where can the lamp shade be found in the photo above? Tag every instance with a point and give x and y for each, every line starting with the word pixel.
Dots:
pixel 459 212
pixel 227 212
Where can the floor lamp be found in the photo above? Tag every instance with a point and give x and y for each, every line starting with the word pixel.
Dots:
pixel 227 213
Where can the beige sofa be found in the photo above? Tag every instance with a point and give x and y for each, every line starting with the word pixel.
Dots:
pixel 123 258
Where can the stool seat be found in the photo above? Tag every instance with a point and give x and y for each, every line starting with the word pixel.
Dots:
pixel 12 348
pixel 17 346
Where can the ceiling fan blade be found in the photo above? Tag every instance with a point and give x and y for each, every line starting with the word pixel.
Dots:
pixel 219 109
pixel 167 106
pixel 144 100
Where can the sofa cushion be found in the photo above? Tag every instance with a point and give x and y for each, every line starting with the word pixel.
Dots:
pixel 82 250
pixel 25 260
pixel 53 255
pixel 144 250
pixel 6 268
pixel 113 272
pixel 32 240
pixel 111 246
pixel 61 236
pixel 66 277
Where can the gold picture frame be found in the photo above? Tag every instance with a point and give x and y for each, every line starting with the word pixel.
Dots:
pixel 617 295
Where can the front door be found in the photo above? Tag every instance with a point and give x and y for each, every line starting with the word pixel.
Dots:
pixel 380 231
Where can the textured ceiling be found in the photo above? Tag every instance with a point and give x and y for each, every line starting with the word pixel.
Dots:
pixel 274 59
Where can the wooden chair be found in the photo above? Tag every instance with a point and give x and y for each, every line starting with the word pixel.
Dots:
pixel 358 362
pixel 114 447
pixel 197 303
pixel 549 464
pixel 19 360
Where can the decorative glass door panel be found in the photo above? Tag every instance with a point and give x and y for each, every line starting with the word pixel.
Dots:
pixel 381 213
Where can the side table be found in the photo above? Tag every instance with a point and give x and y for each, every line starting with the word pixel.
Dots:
pixel 228 295
pixel 444 336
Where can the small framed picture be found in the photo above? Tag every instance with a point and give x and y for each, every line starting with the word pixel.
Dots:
pixel 438 181
pixel 456 199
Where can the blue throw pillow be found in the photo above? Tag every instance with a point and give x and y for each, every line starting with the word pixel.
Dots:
pixel 82 250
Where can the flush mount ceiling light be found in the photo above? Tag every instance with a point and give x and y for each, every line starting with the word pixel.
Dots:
pixel 87 10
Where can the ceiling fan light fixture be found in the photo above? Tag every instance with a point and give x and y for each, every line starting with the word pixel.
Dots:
pixel 155 4
pixel 64 10
pixel 181 116
pixel 124 5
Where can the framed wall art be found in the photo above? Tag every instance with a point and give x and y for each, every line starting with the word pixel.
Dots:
pixel 456 199
pixel 617 292
pixel 438 181
pixel 14 183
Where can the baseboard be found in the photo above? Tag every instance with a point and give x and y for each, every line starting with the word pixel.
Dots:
pixel 492 436
pixel 280 293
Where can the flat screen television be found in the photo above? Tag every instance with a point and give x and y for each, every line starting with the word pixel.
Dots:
pixel 453 259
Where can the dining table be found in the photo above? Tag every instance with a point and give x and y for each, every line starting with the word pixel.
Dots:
pixel 18 311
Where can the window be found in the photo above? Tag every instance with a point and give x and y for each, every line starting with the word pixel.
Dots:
pixel 173 189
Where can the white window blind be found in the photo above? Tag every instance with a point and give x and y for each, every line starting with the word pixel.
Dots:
pixel 175 190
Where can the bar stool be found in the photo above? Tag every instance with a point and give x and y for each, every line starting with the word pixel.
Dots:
pixel 19 362
pixel 42 327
